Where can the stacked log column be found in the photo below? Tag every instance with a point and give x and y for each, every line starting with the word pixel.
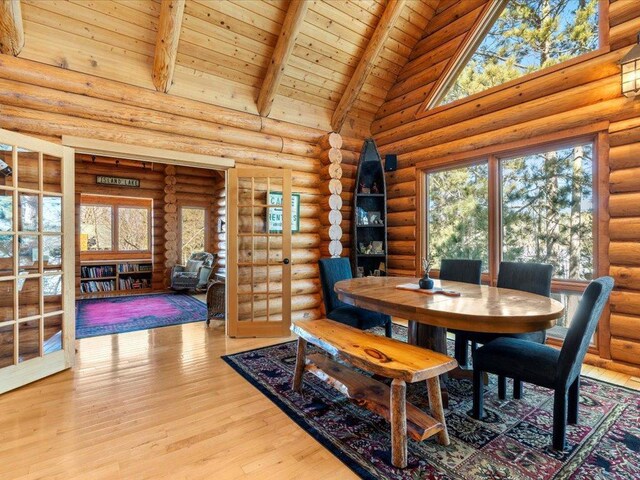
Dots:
pixel 170 222
pixel 624 234
pixel 331 219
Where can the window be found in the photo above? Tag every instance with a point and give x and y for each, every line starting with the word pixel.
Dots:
pixel 109 224
pixel 528 36
pixel 133 229
pixel 193 228
pixel 96 227
pixel 543 212
pixel 458 214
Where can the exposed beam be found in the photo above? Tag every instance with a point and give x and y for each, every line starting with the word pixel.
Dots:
pixel 290 29
pixel 164 61
pixel 367 61
pixel 11 29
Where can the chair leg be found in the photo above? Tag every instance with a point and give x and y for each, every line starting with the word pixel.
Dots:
pixel 300 364
pixel 388 329
pixel 478 395
pixel 559 419
pixel 517 388
pixel 461 350
pixel 398 403
pixel 435 403
pixel 502 387
pixel 574 400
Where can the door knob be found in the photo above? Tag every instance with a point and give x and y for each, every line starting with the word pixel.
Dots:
pixel 286 261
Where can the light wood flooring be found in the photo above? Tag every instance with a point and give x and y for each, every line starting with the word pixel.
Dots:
pixel 162 404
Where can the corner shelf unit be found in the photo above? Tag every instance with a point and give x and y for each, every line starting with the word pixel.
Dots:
pixel 370 172
pixel 115 277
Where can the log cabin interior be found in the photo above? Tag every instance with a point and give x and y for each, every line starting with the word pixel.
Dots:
pixel 429 207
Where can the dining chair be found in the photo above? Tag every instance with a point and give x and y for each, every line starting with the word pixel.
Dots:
pixel 546 366
pixel 467 271
pixel 526 277
pixel 332 270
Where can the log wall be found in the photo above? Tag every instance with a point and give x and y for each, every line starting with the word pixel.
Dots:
pixel 47 101
pixel 581 93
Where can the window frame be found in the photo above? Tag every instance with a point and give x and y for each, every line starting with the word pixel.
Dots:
pixel 598 135
pixel 207 215
pixel 115 204
pixel 464 52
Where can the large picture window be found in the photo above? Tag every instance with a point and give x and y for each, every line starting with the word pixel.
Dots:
pixel 115 224
pixel 539 210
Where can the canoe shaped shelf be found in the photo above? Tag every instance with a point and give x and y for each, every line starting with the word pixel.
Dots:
pixel 369 232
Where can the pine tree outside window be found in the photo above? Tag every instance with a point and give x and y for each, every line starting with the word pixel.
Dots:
pixel 529 35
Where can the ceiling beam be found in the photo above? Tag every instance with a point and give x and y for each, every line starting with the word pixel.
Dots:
pixel 164 60
pixel 367 61
pixel 11 29
pixel 287 40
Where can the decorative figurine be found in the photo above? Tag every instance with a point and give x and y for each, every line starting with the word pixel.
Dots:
pixel 374 188
pixel 425 282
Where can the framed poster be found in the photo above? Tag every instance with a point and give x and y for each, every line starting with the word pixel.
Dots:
pixel 274 215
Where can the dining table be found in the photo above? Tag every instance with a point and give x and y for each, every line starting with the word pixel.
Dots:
pixel 450 305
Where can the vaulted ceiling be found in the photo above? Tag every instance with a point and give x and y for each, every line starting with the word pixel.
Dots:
pixel 224 49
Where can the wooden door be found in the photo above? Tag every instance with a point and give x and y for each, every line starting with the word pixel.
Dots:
pixel 37 311
pixel 259 252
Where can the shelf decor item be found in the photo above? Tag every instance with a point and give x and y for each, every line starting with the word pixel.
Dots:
pixel 426 283
pixel 369 226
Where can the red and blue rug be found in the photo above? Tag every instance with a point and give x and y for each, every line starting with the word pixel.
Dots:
pixel 107 316
pixel 513 443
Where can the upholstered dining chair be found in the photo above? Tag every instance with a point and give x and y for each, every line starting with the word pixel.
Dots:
pixel 544 365
pixel 332 270
pixel 467 271
pixel 526 277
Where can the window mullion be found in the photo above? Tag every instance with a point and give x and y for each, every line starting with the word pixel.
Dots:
pixel 495 220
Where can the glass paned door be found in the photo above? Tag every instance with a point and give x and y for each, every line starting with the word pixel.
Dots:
pixel 259 250
pixel 36 259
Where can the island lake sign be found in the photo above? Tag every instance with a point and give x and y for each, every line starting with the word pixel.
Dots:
pixel 118 181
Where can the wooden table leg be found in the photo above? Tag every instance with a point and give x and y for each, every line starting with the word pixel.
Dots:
pixel 398 404
pixel 433 338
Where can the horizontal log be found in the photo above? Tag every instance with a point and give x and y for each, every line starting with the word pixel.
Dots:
pixel 621 229
pixel 624 253
pixel 627 326
pixel 625 156
pixel 402 233
pixel 625 137
pixel 625 180
pixel 404 189
pixel 624 205
pixel 626 302
pixel 402 262
pixel 402 247
pixel 625 350
pixel 626 277
pixel 395 219
pixel 402 204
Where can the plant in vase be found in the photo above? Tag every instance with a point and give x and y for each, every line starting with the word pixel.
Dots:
pixel 425 282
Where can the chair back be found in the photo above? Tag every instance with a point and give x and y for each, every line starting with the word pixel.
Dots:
pixel 582 327
pixel 467 271
pixel 333 270
pixel 526 277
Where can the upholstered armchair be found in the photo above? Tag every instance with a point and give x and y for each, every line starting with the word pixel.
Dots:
pixel 195 274
pixel 332 270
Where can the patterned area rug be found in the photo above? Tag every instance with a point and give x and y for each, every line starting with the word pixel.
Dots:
pixel 513 443
pixel 106 316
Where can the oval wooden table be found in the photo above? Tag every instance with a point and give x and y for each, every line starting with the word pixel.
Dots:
pixel 479 308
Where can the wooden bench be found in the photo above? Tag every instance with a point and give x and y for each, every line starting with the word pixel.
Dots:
pixel 383 356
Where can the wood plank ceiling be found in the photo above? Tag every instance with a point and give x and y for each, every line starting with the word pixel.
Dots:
pixel 225 47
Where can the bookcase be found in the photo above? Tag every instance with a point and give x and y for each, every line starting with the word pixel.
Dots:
pixel 109 277
pixel 369 236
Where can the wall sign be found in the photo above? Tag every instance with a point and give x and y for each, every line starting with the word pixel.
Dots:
pixel 274 215
pixel 118 181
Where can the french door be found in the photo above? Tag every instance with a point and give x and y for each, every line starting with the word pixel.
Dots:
pixel 259 252
pixel 37 311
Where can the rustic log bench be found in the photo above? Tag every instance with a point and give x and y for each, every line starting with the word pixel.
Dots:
pixel 381 356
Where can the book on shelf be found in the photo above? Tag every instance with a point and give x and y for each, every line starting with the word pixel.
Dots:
pixel 98 271
pixel 134 283
pixel 134 267
pixel 98 286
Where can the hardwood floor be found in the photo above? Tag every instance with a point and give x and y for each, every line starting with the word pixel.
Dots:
pixel 162 404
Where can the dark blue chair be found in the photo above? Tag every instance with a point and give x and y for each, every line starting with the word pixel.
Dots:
pixel 333 270
pixel 546 366
pixel 526 277
pixel 467 271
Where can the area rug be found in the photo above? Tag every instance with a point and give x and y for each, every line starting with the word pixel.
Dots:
pixel 513 443
pixel 106 316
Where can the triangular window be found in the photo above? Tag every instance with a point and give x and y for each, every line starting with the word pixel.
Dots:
pixel 527 36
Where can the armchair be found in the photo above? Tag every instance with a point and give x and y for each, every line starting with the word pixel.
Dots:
pixel 194 274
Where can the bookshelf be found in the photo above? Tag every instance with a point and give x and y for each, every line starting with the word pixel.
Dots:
pixel 112 277
pixel 369 236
